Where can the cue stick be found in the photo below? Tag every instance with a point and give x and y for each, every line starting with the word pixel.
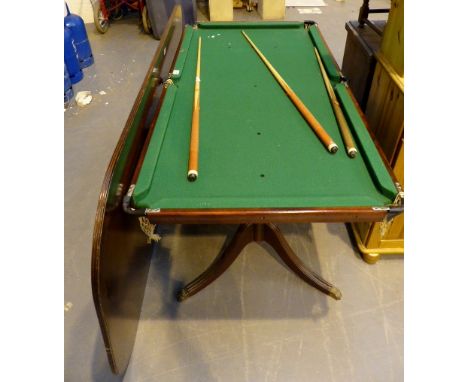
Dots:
pixel 192 174
pixel 344 128
pixel 308 116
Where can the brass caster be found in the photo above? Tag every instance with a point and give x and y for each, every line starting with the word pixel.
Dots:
pixel 336 293
pixel 370 258
pixel 182 295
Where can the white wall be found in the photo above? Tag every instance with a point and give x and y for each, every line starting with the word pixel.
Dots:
pixel 82 8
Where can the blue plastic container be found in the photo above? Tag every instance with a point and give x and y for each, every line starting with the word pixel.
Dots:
pixel 71 58
pixel 67 88
pixel 78 30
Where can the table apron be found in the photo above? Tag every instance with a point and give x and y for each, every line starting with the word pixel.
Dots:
pixel 242 216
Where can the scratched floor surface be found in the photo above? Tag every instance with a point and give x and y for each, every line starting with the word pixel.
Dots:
pixel 258 322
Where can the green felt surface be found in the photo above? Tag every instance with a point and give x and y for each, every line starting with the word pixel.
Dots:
pixel 256 150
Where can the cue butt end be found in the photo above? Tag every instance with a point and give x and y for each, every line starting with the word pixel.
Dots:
pixel 332 147
pixel 352 152
pixel 192 175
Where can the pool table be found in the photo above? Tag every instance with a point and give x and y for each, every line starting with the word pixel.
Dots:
pixel 259 161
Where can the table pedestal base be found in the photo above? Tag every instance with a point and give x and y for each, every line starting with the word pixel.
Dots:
pixel 245 234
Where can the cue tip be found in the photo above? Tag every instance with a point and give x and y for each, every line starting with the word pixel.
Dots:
pixel 192 175
pixel 332 147
pixel 352 152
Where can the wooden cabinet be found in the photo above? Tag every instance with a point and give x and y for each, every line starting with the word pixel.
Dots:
pixel 385 115
pixel 221 10
pixel 272 9
pixel 359 61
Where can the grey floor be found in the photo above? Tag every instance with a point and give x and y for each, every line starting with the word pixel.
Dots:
pixel 258 322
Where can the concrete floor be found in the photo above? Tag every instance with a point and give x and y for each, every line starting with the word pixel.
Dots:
pixel 258 322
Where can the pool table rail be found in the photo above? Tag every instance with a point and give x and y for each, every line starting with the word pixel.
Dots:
pixel 344 81
pixel 262 215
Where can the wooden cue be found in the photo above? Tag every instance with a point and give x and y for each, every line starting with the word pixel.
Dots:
pixel 192 174
pixel 344 128
pixel 308 116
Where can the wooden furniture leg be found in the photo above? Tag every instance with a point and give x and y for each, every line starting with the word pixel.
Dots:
pixel 242 237
pixel 274 237
pixel 247 233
